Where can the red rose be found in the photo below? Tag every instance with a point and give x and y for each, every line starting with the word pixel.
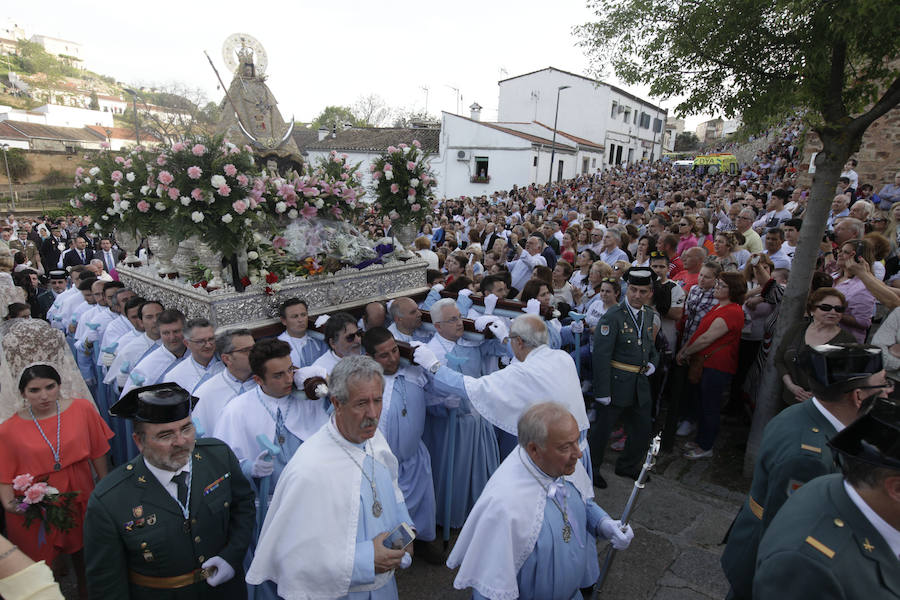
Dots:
pixel 203 284
pixel 196 285
pixel 271 278
pixel 245 281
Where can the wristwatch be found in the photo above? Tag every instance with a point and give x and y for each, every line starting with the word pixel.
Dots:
pixel 434 368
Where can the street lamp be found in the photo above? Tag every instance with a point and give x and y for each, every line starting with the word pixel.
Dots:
pixel 137 130
pixel 553 145
pixel 12 198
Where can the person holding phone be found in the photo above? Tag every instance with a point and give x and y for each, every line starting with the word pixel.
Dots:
pixel 860 302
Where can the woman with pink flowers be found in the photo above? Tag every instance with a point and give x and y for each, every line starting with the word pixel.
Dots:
pixel 56 440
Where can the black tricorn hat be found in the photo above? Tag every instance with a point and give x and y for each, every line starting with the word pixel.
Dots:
pixel 160 403
pixel 874 437
pixel 58 274
pixel 839 368
pixel 640 276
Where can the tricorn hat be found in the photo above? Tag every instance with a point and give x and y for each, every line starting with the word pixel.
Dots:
pixel 58 274
pixel 159 403
pixel 640 276
pixel 874 437
pixel 839 368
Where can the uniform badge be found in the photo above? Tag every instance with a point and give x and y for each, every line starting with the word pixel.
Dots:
pixel 197 456
pixel 868 545
pixel 138 512
pixel 604 330
pixel 148 556
pixel 793 485
pixel 142 479
pixel 151 520
pixel 129 526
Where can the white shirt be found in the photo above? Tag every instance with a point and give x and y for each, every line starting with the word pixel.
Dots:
pixel 838 426
pixel 188 373
pixel 165 477
pixel 779 259
pixel 890 535
pixel 213 395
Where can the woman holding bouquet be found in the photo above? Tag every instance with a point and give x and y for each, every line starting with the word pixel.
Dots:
pixel 57 440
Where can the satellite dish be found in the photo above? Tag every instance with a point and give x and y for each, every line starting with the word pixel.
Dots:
pixel 241 42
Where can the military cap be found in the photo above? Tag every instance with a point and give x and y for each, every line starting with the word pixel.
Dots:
pixel 640 276
pixel 58 274
pixel 159 403
pixel 874 437
pixel 839 368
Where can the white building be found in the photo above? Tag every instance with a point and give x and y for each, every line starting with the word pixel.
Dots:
pixel 64 49
pixel 627 127
pixel 58 116
pixel 478 158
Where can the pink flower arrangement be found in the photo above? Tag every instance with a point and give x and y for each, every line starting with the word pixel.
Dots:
pixel 36 492
pixel 165 178
pixel 143 206
pixel 116 175
pixel 39 500
pixel 395 187
pixel 174 193
pixel 21 482
pixel 197 194
pixel 242 180
pixel 194 172
pixel 230 170
pixel 178 147
pixel 198 150
pixel 239 206
pixel 224 191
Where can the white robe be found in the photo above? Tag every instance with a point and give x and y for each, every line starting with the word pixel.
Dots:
pixel 153 367
pixel 127 355
pixel 188 373
pixel 327 361
pixel 214 394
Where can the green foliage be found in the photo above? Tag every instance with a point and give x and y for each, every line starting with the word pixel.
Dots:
pixel 405 118
pixel 95 101
pixel 748 57
pixel 333 116
pixel 55 177
pixel 19 167
pixel 686 140
pixel 33 59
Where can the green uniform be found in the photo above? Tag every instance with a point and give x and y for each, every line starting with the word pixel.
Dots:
pixel 820 546
pixel 793 452
pixel 134 524
pixel 619 351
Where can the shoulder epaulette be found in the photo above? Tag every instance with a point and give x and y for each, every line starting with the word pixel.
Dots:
pixel 114 478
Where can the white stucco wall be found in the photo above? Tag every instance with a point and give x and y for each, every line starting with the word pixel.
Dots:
pixel 71 116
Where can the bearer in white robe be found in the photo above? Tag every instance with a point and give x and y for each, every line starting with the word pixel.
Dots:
pixel 200 339
pixel 407 325
pixel 342 335
pixel 153 367
pixel 539 374
pixel 215 393
pixel 128 355
pixel 531 535
pixel 343 484
pixel 305 349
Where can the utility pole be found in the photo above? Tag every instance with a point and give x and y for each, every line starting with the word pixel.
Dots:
pixel 12 197
pixel 553 145
pixel 424 88
pixel 137 127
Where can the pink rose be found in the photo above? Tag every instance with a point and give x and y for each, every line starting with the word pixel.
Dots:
pixel 198 150
pixel 143 206
pixel 35 493
pixel 224 191
pixel 242 180
pixel 230 170
pixel 388 167
pixel 116 175
pixel 161 160
pixel 415 207
pixel 412 192
pixel 22 482
pixel 417 144
pixel 410 165
pixel 395 187
pixel 194 172
pixel 239 206
pixel 174 193
pixel 197 194
pixel 165 177
pixel 178 147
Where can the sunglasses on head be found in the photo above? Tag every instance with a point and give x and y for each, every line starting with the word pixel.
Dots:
pixel 831 307
pixel 657 254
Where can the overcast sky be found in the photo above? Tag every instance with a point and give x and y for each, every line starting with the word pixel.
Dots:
pixel 330 52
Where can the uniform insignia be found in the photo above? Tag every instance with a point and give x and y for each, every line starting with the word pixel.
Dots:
pixel 868 545
pixel 215 484
pixel 604 330
pixel 809 448
pixel 142 479
pixel 138 512
pixel 148 556
pixel 139 523
pixel 197 456
pixel 820 546
pixel 129 526
pixel 151 520
pixel 794 485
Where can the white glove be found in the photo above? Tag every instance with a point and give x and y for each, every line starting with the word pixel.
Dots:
pixel 490 303
pixel 483 321
pixel 322 319
pixel 263 465
pixel 533 307
pixel 92 335
pixel 651 369
pixel 465 292
pixel 223 571
pixel 605 400
pixel 424 356
pixel 612 530
pixel 438 287
pixel 500 331
pixel 304 373
pixel 578 327
pixel 106 359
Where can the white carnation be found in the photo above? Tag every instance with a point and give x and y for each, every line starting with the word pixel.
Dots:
pixel 160 206
pixel 110 211
pixel 87 179
pixel 413 182
pixel 129 176
pixel 97 226
pixel 388 175
pixel 197 216
pixel 185 200
pixel 217 181
pixel 252 255
pixel 124 205
pixel 320 203
pixel 104 217
pixel 99 182
pixel 280 207
pixel 94 171
pixel 87 196
pixel 293 214
pixel 227 218
pixel 145 190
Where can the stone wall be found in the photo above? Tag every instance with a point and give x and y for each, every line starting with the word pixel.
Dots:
pixel 42 162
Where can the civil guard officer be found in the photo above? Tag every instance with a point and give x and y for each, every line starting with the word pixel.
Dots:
pixel 624 356
pixel 839 535
pixel 175 521
pixel 845 378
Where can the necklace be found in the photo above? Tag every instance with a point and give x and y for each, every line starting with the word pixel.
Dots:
pixel 376 505
pixel 284 415
pixel 563 508
pixel 58 449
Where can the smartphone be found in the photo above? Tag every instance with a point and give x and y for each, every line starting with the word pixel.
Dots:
pixel 754 261
pixel 401 537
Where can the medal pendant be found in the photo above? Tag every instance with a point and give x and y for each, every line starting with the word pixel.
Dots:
pixel 280 440
pixel 567 532
pixel 640 342
pixel 56 466
pixel 376 508
pixel 403 412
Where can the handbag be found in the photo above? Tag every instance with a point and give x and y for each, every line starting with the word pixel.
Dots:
pixel 695 365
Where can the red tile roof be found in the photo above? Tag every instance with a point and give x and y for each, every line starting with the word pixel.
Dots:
pixel 123 133
pixel 37 130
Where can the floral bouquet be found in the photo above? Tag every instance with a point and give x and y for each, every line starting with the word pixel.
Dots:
pixel 41 501
pixel 403 182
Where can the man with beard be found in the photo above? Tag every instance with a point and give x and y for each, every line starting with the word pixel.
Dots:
pixel 177 519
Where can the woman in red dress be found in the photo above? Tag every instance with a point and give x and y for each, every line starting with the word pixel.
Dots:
pixel 57 439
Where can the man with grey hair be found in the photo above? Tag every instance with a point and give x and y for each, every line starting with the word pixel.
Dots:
pixel 532 533
pixel 407 321
pixel 609 247
pixel 529 258
pixel 343 483
pixel 200 339
pixel 539 373
pixel 214 393
pixel 752 241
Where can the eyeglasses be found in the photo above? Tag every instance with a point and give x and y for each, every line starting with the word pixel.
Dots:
pixel 241 350
pixel 831 307
pixel 887 385
pixel 203 342
pixel 352 336
pixel 454 319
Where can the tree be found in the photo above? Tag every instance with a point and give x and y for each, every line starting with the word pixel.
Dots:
pixel 174 112
pixel 372 110
pixel 763 59
pixel 336 116
pixel 95 101
pixel 409 116
pixel 686 140
pixel 34 59
pixel 19 167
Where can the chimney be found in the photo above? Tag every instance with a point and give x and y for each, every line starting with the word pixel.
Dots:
pixel 475 111
pixel 323 133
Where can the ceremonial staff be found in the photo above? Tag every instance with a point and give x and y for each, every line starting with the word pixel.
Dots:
pixel 638 486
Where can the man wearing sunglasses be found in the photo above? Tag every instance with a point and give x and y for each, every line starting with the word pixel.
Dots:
pixel 845 378
pixel 343 336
